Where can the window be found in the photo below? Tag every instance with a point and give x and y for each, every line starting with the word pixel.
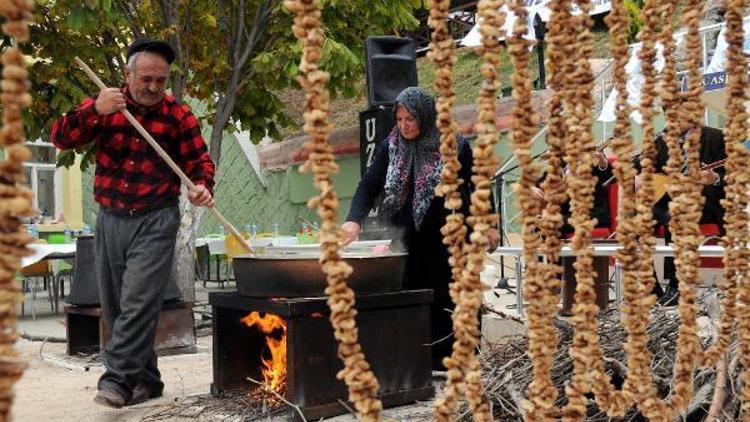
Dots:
pixel 44 179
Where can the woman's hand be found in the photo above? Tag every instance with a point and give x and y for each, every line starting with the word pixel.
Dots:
pixel 351 232
pixel 710 177
pixel 601 160
pixel 537 192
pixel 493 237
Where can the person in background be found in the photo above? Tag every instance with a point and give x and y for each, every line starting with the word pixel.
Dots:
pixel 601 211
pixel 139 216
pixel 711 151
pixel 603 173
pixel 406 168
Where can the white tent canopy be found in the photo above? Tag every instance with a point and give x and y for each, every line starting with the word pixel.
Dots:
pixel 635 80
pixel 714 77
pixel 534 8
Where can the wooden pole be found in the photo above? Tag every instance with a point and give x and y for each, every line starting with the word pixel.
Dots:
pixel 163 154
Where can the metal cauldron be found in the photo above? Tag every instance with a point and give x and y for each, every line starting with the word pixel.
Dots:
pixel 298 274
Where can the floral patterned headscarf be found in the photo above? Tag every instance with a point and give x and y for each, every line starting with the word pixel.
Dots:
pixel 420 156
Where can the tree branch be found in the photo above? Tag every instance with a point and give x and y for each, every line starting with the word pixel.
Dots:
pixel 720 390
pixel 120 64
pixel 115 70
pixel 186 22
pixel 262 16
pixel 700 397
pixel 130 18
pixel 227 100
pixel 237 35
pixel 223 19
pixel 138 18
pixel 622 370
pixel 170 19
pixel 78 84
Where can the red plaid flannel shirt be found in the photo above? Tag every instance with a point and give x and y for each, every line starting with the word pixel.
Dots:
pixel 129 172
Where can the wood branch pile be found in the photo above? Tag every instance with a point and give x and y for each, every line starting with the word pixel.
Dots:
pixel 235 406
pixel 507 369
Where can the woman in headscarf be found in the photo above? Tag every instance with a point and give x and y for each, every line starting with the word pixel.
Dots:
pixel 406 169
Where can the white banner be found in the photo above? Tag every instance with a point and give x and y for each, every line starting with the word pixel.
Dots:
pixel 534 8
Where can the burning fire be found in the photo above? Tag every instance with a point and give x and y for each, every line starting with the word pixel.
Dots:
pixel 274 371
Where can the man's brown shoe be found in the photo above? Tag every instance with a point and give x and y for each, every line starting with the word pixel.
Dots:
pixel 142 393
pixel 110 398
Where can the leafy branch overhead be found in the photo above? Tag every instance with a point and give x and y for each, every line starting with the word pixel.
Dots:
pixel 234 56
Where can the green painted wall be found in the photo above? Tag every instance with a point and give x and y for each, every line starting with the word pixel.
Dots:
pixel 243 200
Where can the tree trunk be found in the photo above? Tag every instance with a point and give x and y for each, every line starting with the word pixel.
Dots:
pixel 184 261
pixel 714 12
pixel 214 147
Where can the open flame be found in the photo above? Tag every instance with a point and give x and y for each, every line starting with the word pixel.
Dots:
pixel 274 371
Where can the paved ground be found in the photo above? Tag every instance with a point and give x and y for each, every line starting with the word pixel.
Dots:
pixel 56 387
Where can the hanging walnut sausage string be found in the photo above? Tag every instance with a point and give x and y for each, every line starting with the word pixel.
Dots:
pixel 362 384
pixel 464 378
pixel 15 196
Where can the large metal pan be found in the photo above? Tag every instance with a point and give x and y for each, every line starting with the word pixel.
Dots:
pixel 300 275
pixel 362 246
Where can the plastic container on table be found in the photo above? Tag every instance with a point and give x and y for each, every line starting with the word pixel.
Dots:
pixel 58 238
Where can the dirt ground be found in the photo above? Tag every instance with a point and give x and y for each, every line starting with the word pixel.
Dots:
pixel 59 388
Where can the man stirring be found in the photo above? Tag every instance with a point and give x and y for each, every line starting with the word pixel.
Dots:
pixel 139 216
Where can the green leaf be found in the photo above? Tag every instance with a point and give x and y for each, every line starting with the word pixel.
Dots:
pixel 273 132
pixel 257 132
pixel 88 157
pixel 263 62
pixel 77 19
pixel 66 158
pixel 97 34
pixel 292 69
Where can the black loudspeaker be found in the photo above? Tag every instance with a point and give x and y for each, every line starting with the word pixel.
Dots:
pixel 391 67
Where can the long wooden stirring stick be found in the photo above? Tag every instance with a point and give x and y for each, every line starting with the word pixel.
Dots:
pixel 163 154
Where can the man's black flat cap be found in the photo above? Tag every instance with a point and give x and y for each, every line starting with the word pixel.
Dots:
pixel 152 46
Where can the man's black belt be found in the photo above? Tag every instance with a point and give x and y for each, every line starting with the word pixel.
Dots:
pixel 137 212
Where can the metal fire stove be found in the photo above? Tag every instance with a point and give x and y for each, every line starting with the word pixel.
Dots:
pixel 394 332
